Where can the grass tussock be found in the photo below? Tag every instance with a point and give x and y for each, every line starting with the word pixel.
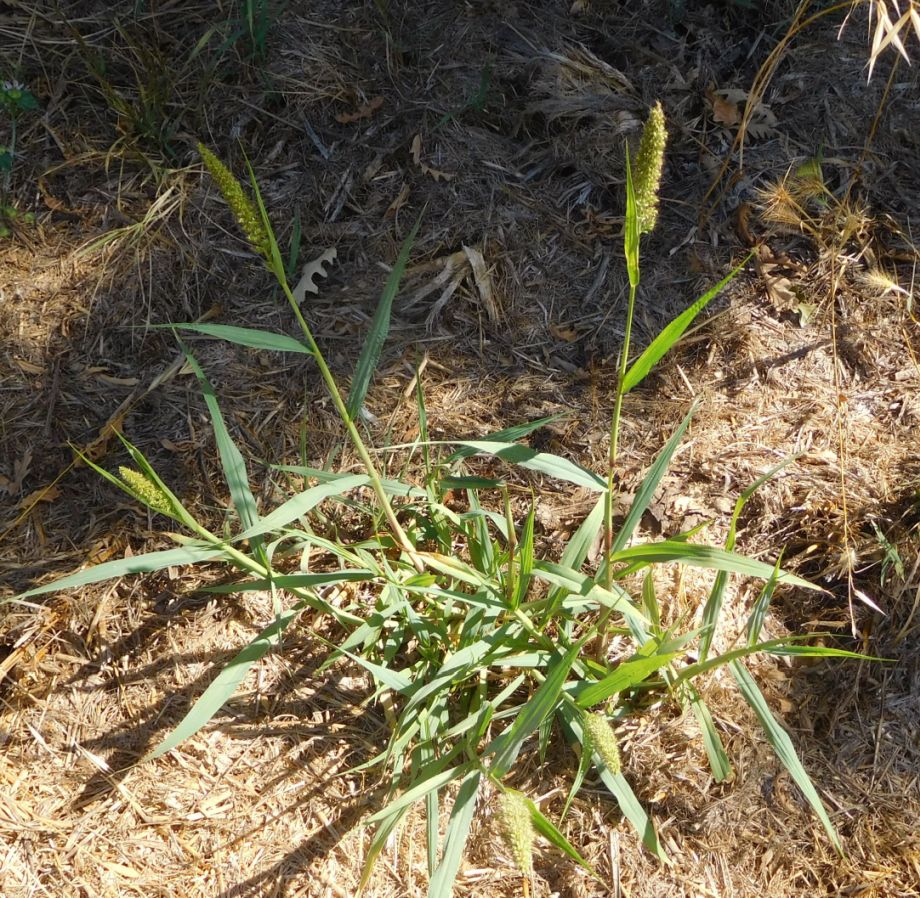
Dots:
pixel 479 516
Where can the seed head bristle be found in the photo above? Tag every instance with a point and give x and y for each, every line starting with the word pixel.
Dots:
pixel 145 490
pixel 517 828
pixel 880 282
pixel 603 740
pixel 779 206
pixel 648 168
pixel 240 204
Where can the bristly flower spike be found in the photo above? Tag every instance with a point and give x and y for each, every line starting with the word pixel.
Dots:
pixel 242 207
pixel 517 829
pixel 648 167
pixel 145 490
pixel 603 740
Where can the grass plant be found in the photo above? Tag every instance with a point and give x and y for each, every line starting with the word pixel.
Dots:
pixel 480 647
pixel 15 99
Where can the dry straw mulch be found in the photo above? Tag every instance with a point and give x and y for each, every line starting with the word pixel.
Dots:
pixel 506 122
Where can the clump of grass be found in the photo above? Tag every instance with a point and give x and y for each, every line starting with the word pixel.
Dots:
pixel 479 645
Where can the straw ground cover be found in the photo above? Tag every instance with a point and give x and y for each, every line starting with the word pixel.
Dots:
pixel 98 678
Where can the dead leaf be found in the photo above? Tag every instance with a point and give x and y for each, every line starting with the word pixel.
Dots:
pixel 728 109
pixel 366 111
pixel 781 292
pixel 398 203
pixel 20 471
pixel 564 333
pixel 314 268
pixel 763 122
pixel 724 110
pixel 416 150
pixel 437 174
pixel 42 494
pixel 744 224
pixel 483 281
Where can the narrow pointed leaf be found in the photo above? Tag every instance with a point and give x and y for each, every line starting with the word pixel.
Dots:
pixel 248 336
pixel 626 675
pixel 640 369
pixel 419 790
pixel 508 435
pixel 230 457
pixel 291 581
pixel 543 702
pixel 709 557
pixel 543 462
pixel 458 830
pixel 545 827
pixel 646 492
pixel 783 747
pixel 137 564
pixel 297 506
pixel 719 763
pixel 620 789
pixel 380 327
pixel 226 683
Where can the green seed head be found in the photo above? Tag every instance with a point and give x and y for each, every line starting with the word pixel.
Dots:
pixel 145 490
pixel 240 204
pixel 647 168
pixel 517 828
pixel 603 740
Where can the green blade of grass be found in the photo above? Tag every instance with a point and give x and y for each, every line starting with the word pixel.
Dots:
pixel 584 765
pixel 291 581
pixel 695 555
pixel 543 462
pixel 569 581
pixel 627 674
pixel 378 843
pixel 787 645
pixel 380 327
pixel 392 487
pixel 543 702
pixel 299 505
pixel 458 830
pixel 137 564
pixel 759 612
pixel 713 606
pixel 575 553
pixel 226 683
pixel 247 336
pixel 508 435
pixel 545 827
pixel 436 780
pixel 230 457
pixel 719 763
pixel 631 228
pixel 525 559
pixel 640 369
pixel 783 747
pixel 646 491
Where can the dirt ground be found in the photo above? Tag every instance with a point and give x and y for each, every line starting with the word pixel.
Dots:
pixel 503 124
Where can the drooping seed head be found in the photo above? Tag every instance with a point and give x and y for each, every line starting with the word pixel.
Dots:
pixel 242 207
pixel 145 490
pixel 647 168
pixel 603 740
pixel 517 828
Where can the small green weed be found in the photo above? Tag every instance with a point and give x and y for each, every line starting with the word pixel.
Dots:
pixel 15 99
pixel 481 648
